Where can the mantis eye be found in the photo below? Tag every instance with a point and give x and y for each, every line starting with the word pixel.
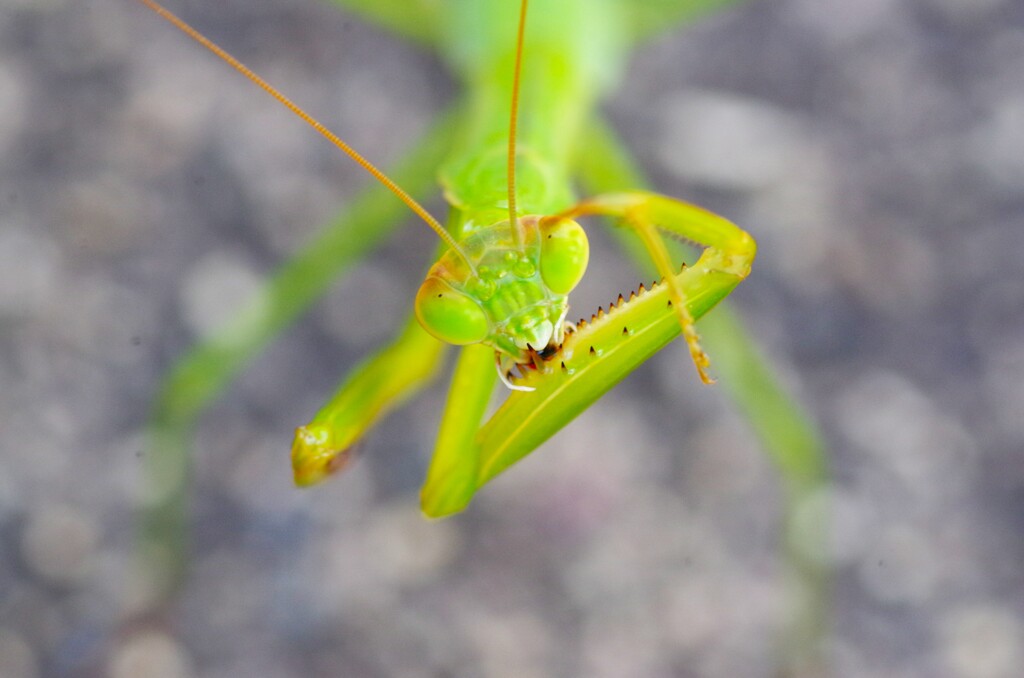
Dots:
pixel 564 255
pixel 450 315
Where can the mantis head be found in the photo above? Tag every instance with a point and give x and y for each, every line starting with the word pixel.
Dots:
pixel 511 297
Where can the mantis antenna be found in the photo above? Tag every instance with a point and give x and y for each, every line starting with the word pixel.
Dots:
pixel 513 222
pixel 314 123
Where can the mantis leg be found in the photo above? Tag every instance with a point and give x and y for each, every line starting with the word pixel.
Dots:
pixel 728 249
pixel 381 383
pixel 452 478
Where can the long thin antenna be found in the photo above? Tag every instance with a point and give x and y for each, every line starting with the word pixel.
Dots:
pixel 312 122
pixel 512 220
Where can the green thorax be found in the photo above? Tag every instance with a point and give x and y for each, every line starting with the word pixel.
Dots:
pixel 571 54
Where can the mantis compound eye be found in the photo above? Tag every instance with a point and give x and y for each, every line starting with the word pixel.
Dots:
pixel 564 254
pixel 450 315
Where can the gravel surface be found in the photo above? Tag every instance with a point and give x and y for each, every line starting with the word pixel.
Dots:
pixel 874 148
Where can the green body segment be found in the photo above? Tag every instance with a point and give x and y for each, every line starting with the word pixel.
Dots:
pixel 573 52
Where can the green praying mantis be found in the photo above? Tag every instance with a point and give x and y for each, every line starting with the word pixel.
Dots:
pixel 511 253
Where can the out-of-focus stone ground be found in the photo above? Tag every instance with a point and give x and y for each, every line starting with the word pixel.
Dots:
pixel 875 149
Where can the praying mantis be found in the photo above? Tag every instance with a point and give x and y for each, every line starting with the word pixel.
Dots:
pixel 561 138
pixel 505 205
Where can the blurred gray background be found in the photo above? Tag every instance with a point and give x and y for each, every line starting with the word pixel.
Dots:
pixel 876 151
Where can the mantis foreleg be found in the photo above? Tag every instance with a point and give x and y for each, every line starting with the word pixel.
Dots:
pixel 592 360
pixel 452 478
pixel 382 382
pixel 728 249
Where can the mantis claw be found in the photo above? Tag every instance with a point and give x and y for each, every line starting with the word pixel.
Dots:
pixel 314 456
pixel 503 375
